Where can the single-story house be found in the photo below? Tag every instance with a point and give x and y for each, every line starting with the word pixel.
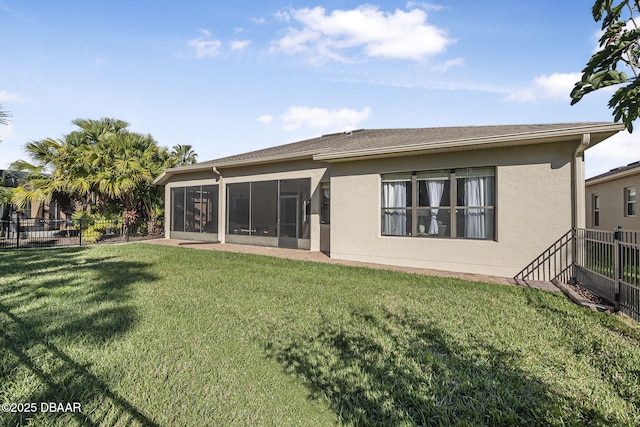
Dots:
pixel 477 199
pixel 48 211
pixel 611 198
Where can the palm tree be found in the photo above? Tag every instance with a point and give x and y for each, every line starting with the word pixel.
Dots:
pixel 101 167
pixel 184 154
pixel 4 117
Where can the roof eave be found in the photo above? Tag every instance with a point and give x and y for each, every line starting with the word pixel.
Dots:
pixel 612 176
pixel 211 165
pixel 306 155
pixel 604 131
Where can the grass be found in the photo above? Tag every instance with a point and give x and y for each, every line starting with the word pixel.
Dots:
pixel 149 335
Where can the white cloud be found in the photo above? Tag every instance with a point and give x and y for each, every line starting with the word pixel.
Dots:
pixel 366 29
pixel 423 5
pixel 266 119
pixel 98 61
pixel 205 47
pixel 240 44
pixel 556 86
pixel 8 96
pixel 444 67
pixel 322 119
pixel 619 150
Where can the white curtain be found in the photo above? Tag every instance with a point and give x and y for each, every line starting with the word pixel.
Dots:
pixel 394 194
pixel 478 191
pixel 435 189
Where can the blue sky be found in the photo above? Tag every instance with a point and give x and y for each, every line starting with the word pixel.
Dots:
pixel 229 77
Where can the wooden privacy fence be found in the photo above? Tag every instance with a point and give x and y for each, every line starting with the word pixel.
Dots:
pixel 606 263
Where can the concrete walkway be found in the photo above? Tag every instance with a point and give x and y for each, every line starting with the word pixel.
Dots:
pixel 304 255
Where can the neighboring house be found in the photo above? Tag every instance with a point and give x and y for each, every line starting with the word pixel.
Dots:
pixel 611 199
pixel 43 211
pixel 478 199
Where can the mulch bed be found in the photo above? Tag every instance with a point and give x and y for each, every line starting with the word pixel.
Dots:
pixel 588 296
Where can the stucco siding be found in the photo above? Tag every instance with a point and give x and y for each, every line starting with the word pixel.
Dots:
pixel 612 203
pixel 533 209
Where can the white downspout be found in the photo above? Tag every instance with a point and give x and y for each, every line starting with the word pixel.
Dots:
pixel 222 206
pixel 579 199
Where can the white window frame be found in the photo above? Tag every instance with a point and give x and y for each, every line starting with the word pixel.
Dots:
pixel 630 201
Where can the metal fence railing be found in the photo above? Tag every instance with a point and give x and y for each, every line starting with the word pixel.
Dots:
pixel 595 266
pixel 607 263
pixel 555 262
pixel 38 233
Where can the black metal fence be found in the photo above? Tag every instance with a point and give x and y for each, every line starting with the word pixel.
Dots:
pixel 606 263
pixel 555 262
pixel 20 233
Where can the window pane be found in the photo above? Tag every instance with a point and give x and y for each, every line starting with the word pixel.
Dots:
pixel 434 192
pixel 325 204
pixel 210 208
pixel 475 223
pixel 264 208
pixel 193 213
pixel 475 172
pixel 238 197
pixel 476 191
pixel 177 209
pixel 392 177
pixel 434 222
pixel 304 186
pixel 301 189
pixel 396 194
pixel 396 222
pixel 631 201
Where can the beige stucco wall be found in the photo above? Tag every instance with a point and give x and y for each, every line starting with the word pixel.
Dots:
pixel 533 209
pixel 612 206
pixel 317 172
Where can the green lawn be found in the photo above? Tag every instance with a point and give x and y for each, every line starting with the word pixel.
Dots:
pixel 151 335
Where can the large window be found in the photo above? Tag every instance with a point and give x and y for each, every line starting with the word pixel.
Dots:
pixel 177 209
pixel 270 208
pixel 238 204
pixel 264 208
pixel 325 203
pixel 630 201
pixel 456 203
pixel 194 209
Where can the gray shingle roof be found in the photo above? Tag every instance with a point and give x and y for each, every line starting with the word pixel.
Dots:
pixel 615 171
pixel 368 139
pixel 380 142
